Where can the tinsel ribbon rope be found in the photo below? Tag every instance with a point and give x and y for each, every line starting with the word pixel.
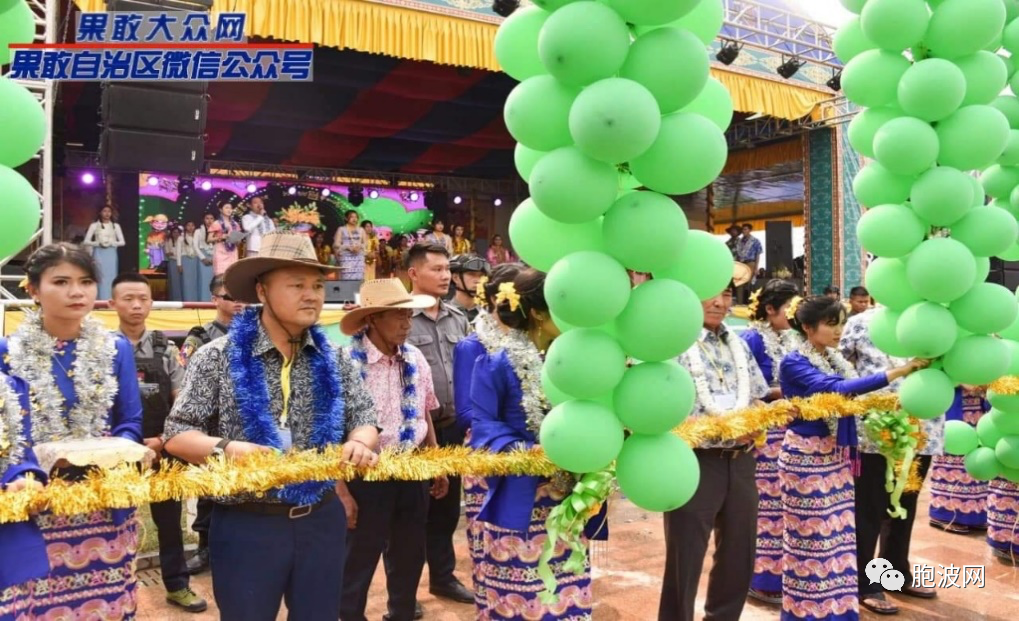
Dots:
pixel 126 486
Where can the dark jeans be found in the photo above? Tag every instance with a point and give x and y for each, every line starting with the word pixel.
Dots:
pixel 443 516
pixel 172 564
pixel 725 503
pixel 203 518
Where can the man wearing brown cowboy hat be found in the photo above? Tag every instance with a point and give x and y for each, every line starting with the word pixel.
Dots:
pixel 275 383
pixel 389 516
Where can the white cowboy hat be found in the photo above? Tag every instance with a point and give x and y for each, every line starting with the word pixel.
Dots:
pixel 378 296
pixel 277 250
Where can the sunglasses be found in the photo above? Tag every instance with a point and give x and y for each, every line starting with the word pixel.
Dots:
pixel 225 297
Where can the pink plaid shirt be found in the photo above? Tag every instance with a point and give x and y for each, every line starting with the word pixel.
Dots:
pixel 385 384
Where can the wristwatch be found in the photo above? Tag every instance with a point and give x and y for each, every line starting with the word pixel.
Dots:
pixel 220 448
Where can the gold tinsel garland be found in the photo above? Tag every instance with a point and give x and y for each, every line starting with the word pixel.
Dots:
pixel 126 486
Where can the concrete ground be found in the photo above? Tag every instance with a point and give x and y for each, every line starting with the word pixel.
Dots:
pixel 628 573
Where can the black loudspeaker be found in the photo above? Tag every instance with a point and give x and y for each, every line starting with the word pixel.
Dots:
pixel 129 107
pixel 438 203
pixel 778 249
pixel 130 150
pixel 1005 273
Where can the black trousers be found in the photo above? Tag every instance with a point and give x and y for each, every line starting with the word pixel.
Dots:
pixel 725 503
pixel 391 517
pixel 203 518
pixel 443 517
pixel 873 524
pixel 172 564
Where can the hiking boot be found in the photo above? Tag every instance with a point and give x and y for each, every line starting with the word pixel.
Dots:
pixel 187 599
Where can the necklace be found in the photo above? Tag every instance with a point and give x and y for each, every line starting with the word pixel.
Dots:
pixel 526 361
pixel 830 363
pixel 12 441
pixel 776 344
pixel 409 396
pixel 695 365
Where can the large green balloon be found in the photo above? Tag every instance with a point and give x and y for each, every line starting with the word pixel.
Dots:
pixel 714 102
pixel 933 89
pixel 652 12
pixel 657 473
pixel 654 397
pixel 688 154
pixel 906 146
pixel 1009 106
pixel 941 270
pixel 982 464
pixel 20 212
pixel 705 21
pixel 999 181
pixel 1007 451
pixel 705 265
pixel 927 394
pixel 1010 37
pixel 537 113
pixel 662 320
pixel 615 120
pixel 979 198
pixel 17 25
pixel 865 125
pixel 587 289
pixel 962 27
pixel 894 25
pixel 988 432
pixel 883 333
pixel 987 231
pixel 928 329
pixel 585 363
pixel 524 158
pixel 942 195
pixel 853 6
pixel 553 394
pixel 581 436
pixel 849 40
pixel 516 43
pixel 972 138
pixel 960 438
pixel 22 124
pixel 571 187
pixel 977 360
pixel 983 268
pixel 986 76
pixel 987 308
pixel 553 5
pixel 871 79
pixel 1006 403
pixel 583 42
pixel 645 231
pixel 876 185
pixel 1010 156
pixel 1005 422
pixel 540 241
pixel 887 283
pixel 890 230
pixel 669 62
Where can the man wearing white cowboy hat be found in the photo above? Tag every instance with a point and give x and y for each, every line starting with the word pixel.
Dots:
pixel 275 383
pixel 389 516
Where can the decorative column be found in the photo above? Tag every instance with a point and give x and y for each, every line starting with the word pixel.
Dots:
pixel 819 209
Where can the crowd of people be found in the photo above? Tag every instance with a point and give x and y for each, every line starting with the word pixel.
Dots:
pixel 453 359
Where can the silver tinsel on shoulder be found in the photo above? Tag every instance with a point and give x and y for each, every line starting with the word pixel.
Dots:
pixel 490 334
pixel 526 362
pixel 31 352
pixel 776 345
pixel 12 440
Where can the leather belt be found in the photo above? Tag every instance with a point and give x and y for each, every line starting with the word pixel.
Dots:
pixel 293 512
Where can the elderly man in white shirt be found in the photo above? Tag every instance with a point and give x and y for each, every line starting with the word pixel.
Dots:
pixel 256 223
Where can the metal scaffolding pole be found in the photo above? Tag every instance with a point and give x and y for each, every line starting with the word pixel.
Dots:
pixel 775 29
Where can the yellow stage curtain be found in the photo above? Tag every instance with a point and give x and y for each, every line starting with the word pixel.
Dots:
pixel 168 320
pixel 778 99
pixel 764 157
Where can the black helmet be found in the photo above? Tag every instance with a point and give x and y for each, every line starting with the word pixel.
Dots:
pixel 469 263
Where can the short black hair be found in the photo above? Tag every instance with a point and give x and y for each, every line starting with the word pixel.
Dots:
pixel 346 214
pixel 832 289
pixel 52 255
pixel 218 282
pixel 816 310
pixel 130 277
pixel 859 291
pixel 418 252
pixel 747 225
pixel 774 294
pixel 365 223
pixel 530 286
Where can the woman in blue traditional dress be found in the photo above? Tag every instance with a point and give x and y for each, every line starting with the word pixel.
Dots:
pixel 770 339
pixel 1003 520
pixel 958 501
pixel 83 385
pixel 508 407
pixel 820 579
pixel 349 246
pixel 105 237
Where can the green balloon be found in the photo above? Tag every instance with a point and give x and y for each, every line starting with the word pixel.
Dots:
pixel 962 27
pixel 1007 451
pixel 972 138
pixel 553 394
pixel 652 12
pixel 587 289
pixel 927 329
pixel 516 43
pixel 615 120
pixel 524 158
pixel 906 146
pixel 882 332
pixel 982 464
pixel 988 432
pixel 553 5
pixel 571 187
pixel 942 195
pixel 669 62
pixel 887 283
pixel 714 102
pixel 583 42
pixel 853 6
pixel 986 76
pixel 979 198
pixel 1010 37
pixel 21 212
pixel 1012 254
pixel 871 79
pixel 1013 367
pixel 1010 156
pixel 704 21
pixel 941 270
pixel 983 268
pixel 987 308
pixel 977 360
pixel 581 436
pixel 645 231
pixel 865 125
pixel 662 320
pixel 1011 10
pixel 933 89
pixel 540 241
pixel 960 438
pixel 849 41
pixel 688 154
pixel 894 25
pixel 22 124
pixel 1006 403
pixel 876 185
pixel 17 25
pixel 705 265
pixel 537 113
pixel 585 363
pixel 657 473
pixel 654 397
pixel 987 231
pixel 1005 422
pixel 1009 65
pixel 999 181
pixel 1009 106
pixel 1011 333
pixel 890 230
pixel 927 394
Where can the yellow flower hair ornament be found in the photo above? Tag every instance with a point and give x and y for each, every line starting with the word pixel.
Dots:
pixel 508 293
pixel 479 292
pixel 755 301
pixel 794 305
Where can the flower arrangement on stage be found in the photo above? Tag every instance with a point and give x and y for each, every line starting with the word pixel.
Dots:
pixel 300 219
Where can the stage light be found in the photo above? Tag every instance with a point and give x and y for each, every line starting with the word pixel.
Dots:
pixel 373 194
pixel 206 185
pixel 729 52
pixel 355 194
pixel 457 200
pixel 505 8
pixel 292 191
pixel 497 202
pixel 252 188
pixel 325 192
pixel 88 178
pixel 835 83
pixel 414 196
pixel 789 68
pixel 153 180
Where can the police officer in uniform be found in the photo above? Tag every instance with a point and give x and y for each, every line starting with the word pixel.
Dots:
pixel 159 377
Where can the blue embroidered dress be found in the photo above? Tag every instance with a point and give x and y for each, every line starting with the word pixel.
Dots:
pixel 956 497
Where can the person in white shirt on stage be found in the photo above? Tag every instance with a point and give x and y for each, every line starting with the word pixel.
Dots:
pixel 104 237
pixel 256 223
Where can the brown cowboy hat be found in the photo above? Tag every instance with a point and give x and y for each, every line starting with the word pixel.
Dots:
pixel 741 273
pixel 277 250
pixel 379 296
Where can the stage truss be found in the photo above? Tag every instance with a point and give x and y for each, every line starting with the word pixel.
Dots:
pixel 772 28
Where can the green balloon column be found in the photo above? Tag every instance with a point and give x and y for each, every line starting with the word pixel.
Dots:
pixel 942 139
pixel 616 95
pixel 22 131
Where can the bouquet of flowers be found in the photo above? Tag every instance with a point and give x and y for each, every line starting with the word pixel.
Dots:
pixel 300 219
